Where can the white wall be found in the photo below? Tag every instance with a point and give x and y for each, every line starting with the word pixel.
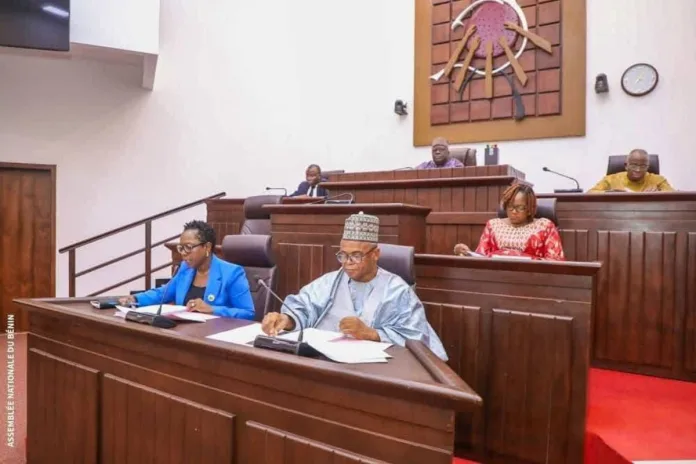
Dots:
pixel 248 93
pixel 121 24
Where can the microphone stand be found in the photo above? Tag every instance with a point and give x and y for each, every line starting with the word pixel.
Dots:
pixel 331 199
pixel 298 347
pixel 155 320
pixel 577 188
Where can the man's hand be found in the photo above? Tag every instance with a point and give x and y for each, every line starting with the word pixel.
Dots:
pixel 199 306
pixel 461 250
pixel 273 323
pixel 126 300
pixel 356 328
pixel 651 189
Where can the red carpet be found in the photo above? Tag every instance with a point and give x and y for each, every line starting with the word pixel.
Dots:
pixel 642 418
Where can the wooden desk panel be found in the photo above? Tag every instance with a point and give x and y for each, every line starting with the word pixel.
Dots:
pixel 104 390
pixel 645 320
pixel 519 333
pixel 226 216
pixel 646 310
pixel 458 189
pixel 410 173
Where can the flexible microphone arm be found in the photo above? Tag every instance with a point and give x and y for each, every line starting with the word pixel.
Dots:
pixel 335 197
pixel 155 320
pixel 285 191
pixel 577 184
pixel 261 282
pixel 298 347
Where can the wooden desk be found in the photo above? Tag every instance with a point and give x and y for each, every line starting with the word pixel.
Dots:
pixel 646 310
pixel 306 237
pixel 104 390
pixel 462 191
pixel 519 333
pixel 225 215
pixel 410 174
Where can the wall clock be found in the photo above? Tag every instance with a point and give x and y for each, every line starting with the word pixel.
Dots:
pixel 639 79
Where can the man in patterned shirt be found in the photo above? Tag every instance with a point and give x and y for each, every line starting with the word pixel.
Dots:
pixel 441 156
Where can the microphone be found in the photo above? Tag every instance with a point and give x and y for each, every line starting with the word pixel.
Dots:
pixel 155 320
pixel 333 198
pixel 298 347
pixel 285 191
pixel 577 188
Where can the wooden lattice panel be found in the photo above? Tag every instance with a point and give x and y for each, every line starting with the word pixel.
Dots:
pixel 553 96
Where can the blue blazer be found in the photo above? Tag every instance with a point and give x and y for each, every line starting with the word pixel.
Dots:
pixel 304 187
pixel 227 291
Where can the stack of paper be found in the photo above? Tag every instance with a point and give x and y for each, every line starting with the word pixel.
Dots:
pixel 333 345
pixel 240 336
pixel 171 311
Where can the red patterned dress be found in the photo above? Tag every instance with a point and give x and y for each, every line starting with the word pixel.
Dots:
pixel 539 240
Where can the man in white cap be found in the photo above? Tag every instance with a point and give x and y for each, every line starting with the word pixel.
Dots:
pixel 361 299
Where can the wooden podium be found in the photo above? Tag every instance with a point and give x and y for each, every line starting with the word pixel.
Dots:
pixel 103 390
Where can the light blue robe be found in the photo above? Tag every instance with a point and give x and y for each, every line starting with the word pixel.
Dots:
pixel 386 303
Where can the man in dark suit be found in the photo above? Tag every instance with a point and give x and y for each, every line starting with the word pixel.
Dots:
pixel 310 187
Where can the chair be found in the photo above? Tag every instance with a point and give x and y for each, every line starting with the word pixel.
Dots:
pixel 617 163
pixel 398 259
pixel 466 155
pixel 546 208
pixel 256 220
pixel 253 253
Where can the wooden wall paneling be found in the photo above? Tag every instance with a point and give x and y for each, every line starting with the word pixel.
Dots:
pixel 688 306
pixel 63 396
pixel 140 424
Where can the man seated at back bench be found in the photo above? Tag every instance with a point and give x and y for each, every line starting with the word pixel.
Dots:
pixel 635 178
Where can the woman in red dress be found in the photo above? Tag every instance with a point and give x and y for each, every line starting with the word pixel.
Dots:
pixel 519 234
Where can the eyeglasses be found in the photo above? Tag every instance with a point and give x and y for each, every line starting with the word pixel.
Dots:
pixel 637 167
pixel 354 258
pixel 187 248
pixel 518 208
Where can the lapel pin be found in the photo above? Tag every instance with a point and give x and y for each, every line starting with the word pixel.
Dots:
pixel 211 297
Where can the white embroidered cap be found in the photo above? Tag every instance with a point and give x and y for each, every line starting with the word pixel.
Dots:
pixel 361 228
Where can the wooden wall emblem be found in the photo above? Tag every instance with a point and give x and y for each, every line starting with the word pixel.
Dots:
pixel 493 70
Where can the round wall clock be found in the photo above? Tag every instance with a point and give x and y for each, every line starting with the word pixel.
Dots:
pixel 639 79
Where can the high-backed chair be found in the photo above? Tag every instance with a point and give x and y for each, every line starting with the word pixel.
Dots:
pixel 253 253
pixel 546 208
pixel 256 220
pixel 466 155
pixel 398 259
pixel 617 163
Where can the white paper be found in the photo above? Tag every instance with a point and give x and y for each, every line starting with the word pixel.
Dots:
pixel 171 311
pixel 475 255
pixel 191 316
pixel 240 335
pixel 519 258
pixel 343 349
pixel 166 309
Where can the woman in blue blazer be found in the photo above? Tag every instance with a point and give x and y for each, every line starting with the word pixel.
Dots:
pixel 203 282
